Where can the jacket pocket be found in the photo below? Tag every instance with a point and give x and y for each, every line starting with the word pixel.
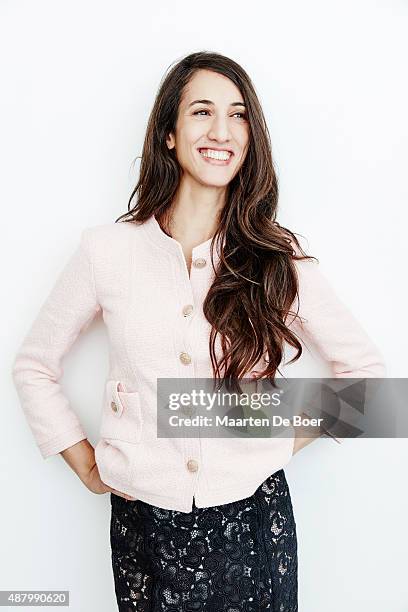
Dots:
pixel 121 414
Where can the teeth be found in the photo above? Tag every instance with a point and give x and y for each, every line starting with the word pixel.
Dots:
pixel 222 155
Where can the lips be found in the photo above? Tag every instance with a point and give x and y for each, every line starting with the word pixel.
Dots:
pixel 214 161
pixel 214 149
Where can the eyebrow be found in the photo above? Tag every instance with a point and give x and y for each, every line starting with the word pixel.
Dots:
pixel 209 102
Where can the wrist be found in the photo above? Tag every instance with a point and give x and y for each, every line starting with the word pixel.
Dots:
pixel 81 458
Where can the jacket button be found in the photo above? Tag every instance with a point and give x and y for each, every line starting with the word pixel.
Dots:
pixel 200 262
pixel 192 465
pixel 185 358
pixel 187 410
pixel 187 310
pixel 114 406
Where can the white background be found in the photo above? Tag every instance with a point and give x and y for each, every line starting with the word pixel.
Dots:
pixel 78 81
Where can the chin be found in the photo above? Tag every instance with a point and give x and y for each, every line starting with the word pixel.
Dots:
pixel 214 182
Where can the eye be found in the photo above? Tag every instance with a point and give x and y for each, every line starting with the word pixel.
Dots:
pixel 243 115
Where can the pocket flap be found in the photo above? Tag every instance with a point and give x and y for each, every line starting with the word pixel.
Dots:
pixel 113 399
pixel 121 415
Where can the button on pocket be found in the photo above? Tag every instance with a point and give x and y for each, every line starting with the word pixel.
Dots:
pixel 121 414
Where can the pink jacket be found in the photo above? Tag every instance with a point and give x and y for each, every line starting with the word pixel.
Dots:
pixel 136 276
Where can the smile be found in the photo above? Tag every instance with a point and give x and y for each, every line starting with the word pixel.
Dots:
pixel 214 156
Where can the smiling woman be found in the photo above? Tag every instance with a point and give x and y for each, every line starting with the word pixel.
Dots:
pixel 209 524
pixel 213 128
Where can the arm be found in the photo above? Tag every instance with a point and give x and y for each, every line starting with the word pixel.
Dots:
pixel 328 323
pixel 37 367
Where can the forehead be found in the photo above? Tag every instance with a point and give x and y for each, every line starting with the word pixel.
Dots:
pixel 206 84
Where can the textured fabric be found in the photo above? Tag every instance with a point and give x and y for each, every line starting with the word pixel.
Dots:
pixel 236 557
pixel 135 277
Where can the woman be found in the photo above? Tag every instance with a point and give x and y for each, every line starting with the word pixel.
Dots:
pixel 198 523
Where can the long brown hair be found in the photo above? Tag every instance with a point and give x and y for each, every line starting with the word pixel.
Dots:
pixel 255 282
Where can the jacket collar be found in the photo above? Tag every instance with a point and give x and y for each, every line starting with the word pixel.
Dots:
pixel 159 237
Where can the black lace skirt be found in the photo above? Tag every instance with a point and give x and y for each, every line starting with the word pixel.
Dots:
pixel 236 557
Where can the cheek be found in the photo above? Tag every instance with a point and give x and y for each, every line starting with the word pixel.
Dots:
pixel 240 140
pixel 190 135
pixel 242 137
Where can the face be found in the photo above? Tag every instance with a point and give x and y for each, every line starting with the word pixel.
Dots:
pixel 212 132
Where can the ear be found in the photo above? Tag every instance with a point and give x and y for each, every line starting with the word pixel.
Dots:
pixel 170 141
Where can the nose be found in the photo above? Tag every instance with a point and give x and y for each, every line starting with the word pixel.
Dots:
pixel 219 130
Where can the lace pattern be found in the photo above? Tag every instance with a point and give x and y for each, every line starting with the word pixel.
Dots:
pixel 235 557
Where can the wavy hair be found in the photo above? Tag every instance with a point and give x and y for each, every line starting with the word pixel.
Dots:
pixel 255 282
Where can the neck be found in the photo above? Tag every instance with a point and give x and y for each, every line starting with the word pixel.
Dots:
pixel 194 213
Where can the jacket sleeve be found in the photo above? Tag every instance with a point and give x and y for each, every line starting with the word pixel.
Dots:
pixel 328 323
pixel 37 367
